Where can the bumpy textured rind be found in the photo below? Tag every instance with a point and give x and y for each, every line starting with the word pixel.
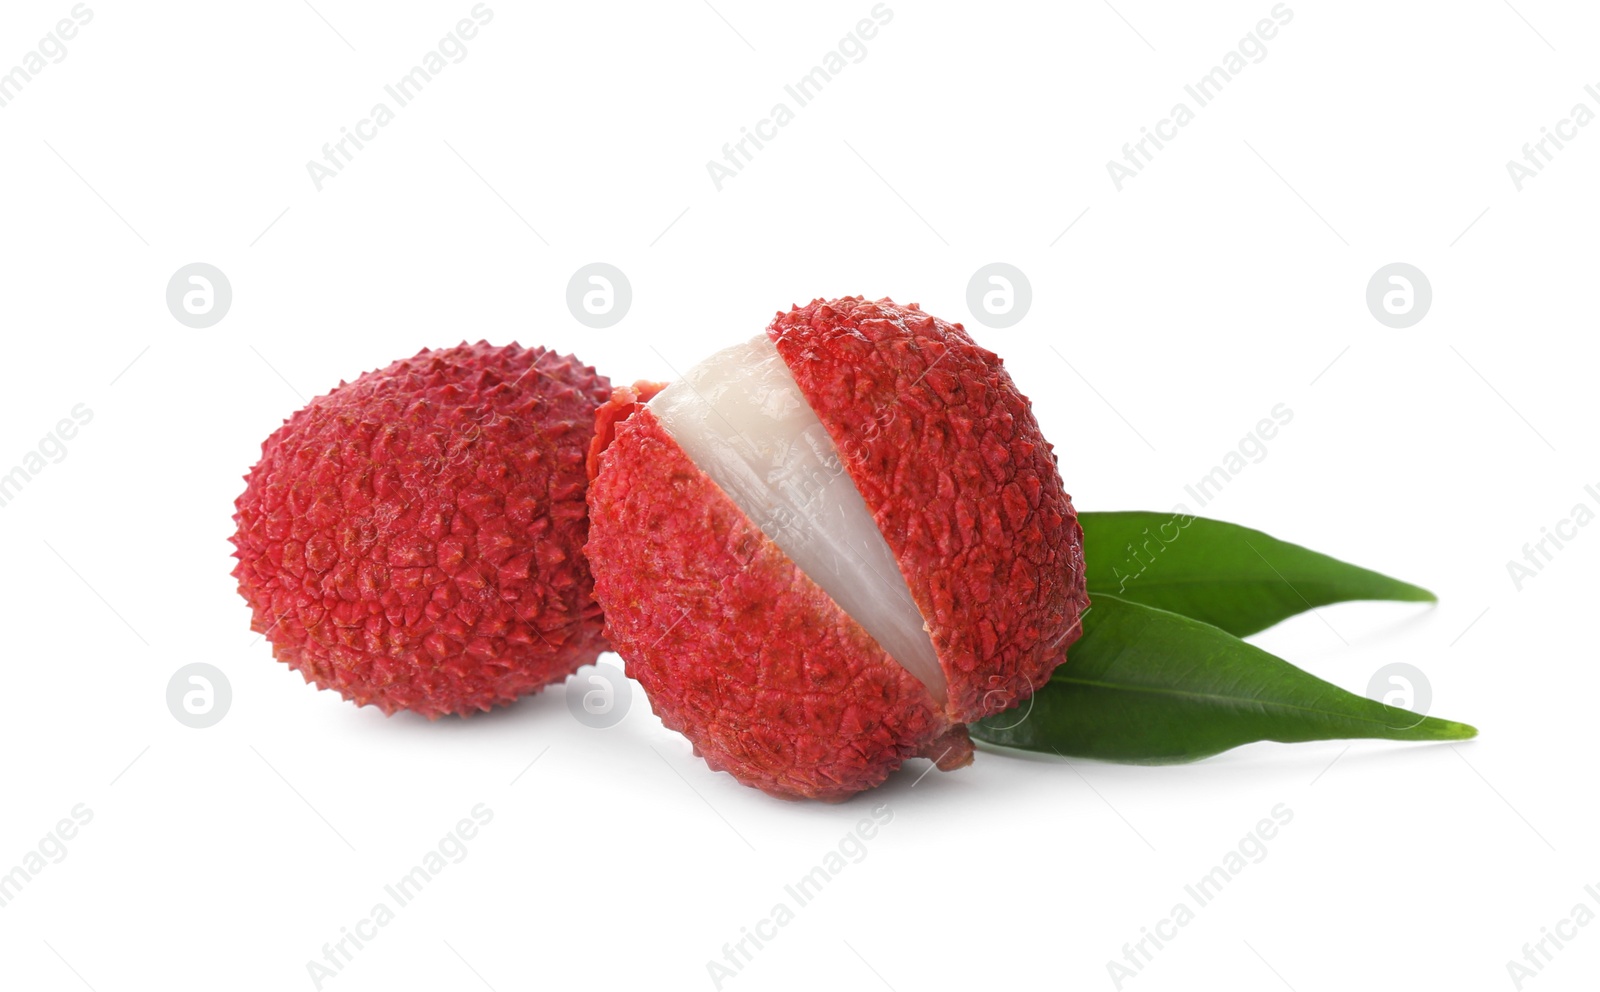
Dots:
pixel 413 539
pixel 622 404
pixel 950 460
pixel 735 646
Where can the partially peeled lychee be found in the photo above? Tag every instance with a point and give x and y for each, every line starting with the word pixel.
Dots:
pixel 830 548
pixel 414 539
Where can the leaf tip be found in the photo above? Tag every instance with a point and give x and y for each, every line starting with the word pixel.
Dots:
pixel 1450 730
pixel 1412 593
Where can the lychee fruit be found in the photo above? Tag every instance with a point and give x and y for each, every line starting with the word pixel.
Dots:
pixel 828 549
pixel 414 539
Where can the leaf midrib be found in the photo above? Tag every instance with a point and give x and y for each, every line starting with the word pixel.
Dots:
pixel 1158 691
pixel 1212 581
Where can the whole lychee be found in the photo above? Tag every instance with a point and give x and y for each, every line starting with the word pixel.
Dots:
pixel 414 539
pixel 827 550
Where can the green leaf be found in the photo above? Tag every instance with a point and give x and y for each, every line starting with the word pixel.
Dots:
pixel 1147 686
pixel 1228 576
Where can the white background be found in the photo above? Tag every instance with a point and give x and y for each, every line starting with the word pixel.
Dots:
pixel 1226 278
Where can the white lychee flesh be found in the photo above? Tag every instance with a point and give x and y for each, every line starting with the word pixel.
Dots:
pixel 742 420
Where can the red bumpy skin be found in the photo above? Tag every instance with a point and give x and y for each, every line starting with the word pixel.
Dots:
pixel 755 664
pixel 414 538
pixel 963 486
